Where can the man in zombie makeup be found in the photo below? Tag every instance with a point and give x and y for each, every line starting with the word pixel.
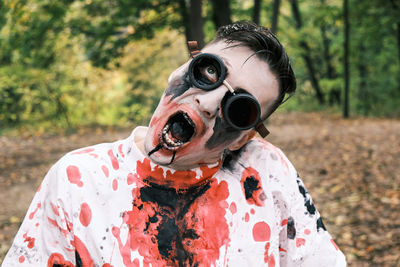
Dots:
pixel 195 188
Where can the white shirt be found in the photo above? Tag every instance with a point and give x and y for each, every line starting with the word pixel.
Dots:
pixel 108 205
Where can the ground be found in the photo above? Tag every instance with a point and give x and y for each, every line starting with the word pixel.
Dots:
pixel 351 168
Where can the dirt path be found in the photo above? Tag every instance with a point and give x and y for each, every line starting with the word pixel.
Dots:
pixel 351 168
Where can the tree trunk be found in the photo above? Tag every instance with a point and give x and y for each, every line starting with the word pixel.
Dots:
pixel 221 12
pixel 363 100
pixel 346 58
pixel 275 15
pixel 192 20
pixel 307 54
pixel 256 11
pixel 397 8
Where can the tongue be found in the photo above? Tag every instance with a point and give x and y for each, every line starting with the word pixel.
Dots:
pixel 180 132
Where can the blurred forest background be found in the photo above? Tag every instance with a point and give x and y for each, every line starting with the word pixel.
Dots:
pixel 78 72
pixel 71 63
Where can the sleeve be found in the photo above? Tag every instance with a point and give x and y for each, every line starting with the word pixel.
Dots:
pixel 304 240
pixel 45 237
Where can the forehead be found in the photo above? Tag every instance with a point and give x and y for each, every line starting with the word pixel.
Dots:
pixel 247 71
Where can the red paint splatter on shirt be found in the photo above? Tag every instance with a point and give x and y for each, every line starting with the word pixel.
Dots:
pixel 74 175
pixel 300 242
pixel 85 216
pixel 21 259
pixel 171 227
pixel 105 170
pixel 55 209
pixel 120 150
pixel 115 185
pixel 131 178
pixel 56 259
pixel 107 265
pixel 114 160
pixel 176 179
pixel 33 212
pixel 252 211
pixel 261 232
pixel 81 249
pixel 30 240
pixel 252 187
pixel 83 151
pixel 247 217
pixel 233 208
pixel 284 222
pixel 334 244
pixel 307 231
pixel 282 249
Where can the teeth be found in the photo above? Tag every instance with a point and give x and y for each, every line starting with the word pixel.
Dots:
pixel 167 139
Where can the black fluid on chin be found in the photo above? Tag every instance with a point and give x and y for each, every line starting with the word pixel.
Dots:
pixel 223 133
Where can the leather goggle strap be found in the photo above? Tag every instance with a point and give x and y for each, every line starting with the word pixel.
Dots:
pixel 262 130
pixel 193 48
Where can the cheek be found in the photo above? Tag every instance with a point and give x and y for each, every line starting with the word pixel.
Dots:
pixel 178 86
pixel 222 134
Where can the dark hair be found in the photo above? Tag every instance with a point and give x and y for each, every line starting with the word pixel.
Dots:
pixel 267 48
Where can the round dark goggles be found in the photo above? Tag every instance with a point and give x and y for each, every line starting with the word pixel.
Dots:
pixel 240 109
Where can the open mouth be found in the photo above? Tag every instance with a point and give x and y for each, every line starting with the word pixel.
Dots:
pixel 178 131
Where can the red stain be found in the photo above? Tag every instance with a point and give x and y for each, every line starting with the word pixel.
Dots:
pixel 83 151
pixel 131 178
pixel 114 160
pixel 300 242
pixel 282 249
pixel 21 259
pixel 74 175
pixel 307 231
pixel 261 232
pixel 252 211
pixel 105 170
pixel 83 252
pixel 55 209
pixel 85 215
pixel 177 179
pixel 33 212
pixel 39 188
pixel 30 240
pixel 271 261
pixel 334 244
pixel 120 150
pixel 284 222
pixel 115 185
pixel 247 217
pixel 107 265
pixel 252 187
pixel 56 259
pixel 204 218
pixel 233 208
pixel 37 224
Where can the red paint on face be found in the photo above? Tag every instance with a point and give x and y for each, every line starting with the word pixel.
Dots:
pixel 105 170
pixel 199 232
pixel 21 259
pixel 233 208
pixel 58 260
pixel 177 179
pixel 33 212
pixel 74 175
pixel 83 151
pixel 261 232
pixel 252 187
pixel 85 215
pixel 300 242
pixel 114 160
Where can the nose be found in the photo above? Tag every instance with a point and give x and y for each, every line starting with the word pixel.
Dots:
pixel 209 102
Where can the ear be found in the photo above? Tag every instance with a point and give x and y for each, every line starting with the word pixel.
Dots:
pixel 242 141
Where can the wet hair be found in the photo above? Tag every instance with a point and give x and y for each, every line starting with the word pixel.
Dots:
pixel 267 48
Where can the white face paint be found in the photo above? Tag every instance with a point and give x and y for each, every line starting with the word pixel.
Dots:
pixel 198 134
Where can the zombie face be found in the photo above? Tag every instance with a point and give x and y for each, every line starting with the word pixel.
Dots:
pixel 188 127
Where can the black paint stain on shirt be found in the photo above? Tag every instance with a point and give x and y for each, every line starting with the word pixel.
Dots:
pixel 173 205
pixel 78 260
pixel 250 185
pixel 291 229
pixel 320 224
pixel 307 199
